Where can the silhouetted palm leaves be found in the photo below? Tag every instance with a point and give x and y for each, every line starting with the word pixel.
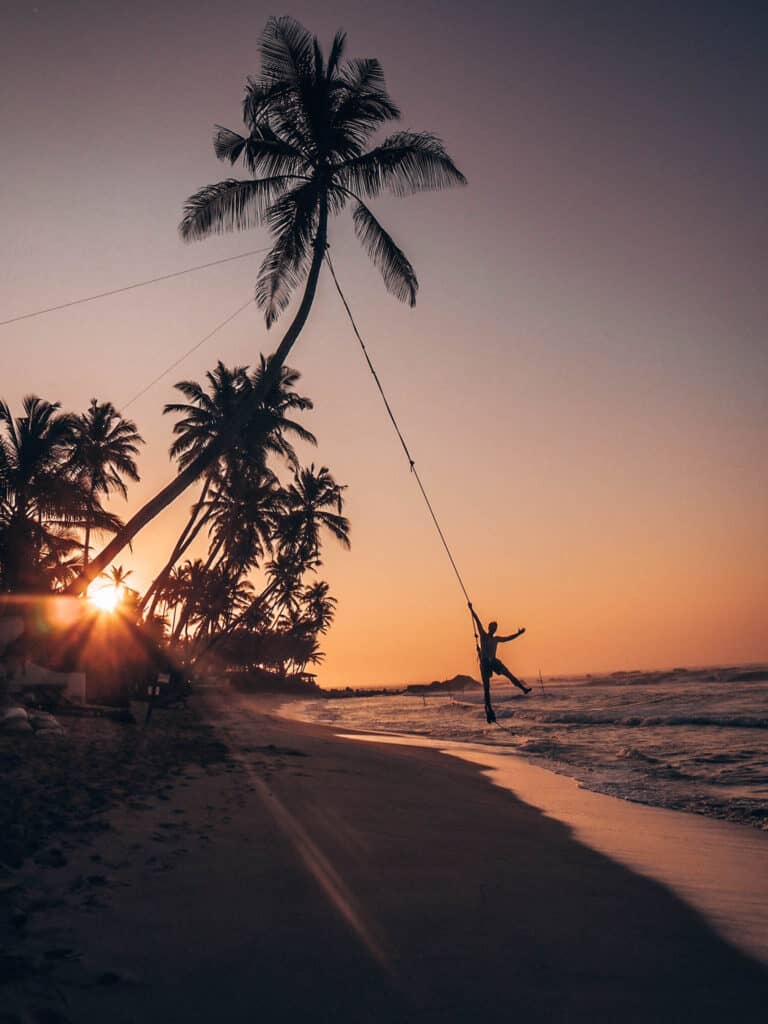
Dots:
pixel 44 496
pixel 309 125
pixel 309 147
pixel 103 452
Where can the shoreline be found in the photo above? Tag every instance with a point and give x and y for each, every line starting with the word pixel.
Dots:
pixel 726 879
pixel 315 877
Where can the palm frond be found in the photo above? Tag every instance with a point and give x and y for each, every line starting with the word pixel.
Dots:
pixel 404 163
pixel 263 151
pixel 336 53
pixel 230 205
pixel 293 219
pixel 286 51
pixel 399 276
pixel 228 145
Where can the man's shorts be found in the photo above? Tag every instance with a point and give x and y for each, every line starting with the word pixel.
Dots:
pixel 489 668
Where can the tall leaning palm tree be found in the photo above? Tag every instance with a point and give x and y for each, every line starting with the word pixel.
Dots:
pixel 307 147
pixel 104 447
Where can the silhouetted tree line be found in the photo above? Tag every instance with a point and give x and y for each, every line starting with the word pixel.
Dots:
pixel 252 599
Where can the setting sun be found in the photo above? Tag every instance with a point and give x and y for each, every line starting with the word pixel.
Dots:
pixel 105 597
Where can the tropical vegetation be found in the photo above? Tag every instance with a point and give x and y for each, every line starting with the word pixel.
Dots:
pixel 249 597
pixel 309 150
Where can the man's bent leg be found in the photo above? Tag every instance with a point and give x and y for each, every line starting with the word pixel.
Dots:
pixel 501 669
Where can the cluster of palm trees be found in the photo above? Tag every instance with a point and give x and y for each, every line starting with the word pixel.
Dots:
pixel 263 538
pixel 56 470
pixel 249 596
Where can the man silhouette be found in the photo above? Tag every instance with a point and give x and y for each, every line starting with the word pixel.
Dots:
pixel 490 664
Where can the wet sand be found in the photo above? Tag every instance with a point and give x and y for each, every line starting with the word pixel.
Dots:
pixel 309 877
pixel 718 867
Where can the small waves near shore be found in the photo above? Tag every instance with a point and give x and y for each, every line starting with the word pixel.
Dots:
pixel 685 740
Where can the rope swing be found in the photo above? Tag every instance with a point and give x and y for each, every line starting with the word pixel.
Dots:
pixel 409 457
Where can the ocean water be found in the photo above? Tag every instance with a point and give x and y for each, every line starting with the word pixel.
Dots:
pixel 689 741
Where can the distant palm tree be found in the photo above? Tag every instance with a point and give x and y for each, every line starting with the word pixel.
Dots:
pixel 41 498
pixel 103 450
pixel 319 606
pixel 308 122
pixel 313 502
pixel 118 575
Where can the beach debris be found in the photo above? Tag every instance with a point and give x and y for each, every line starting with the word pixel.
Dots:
pixel 14 720
pixel 18 720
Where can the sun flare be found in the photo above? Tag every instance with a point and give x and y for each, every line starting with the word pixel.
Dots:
pixel 105 597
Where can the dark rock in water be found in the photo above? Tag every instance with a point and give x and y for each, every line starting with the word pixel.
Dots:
pixel 458 683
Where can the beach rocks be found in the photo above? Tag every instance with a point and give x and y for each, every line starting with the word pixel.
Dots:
pixel 17 720
pixel 14 720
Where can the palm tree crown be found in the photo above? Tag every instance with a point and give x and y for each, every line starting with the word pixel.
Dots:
pixel 312 502
pixel 209 415
pixel 103 450
pixel 104 447
pixel 309 121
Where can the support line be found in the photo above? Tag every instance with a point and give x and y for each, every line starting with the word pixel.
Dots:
pixel 189 352
pixel 128 287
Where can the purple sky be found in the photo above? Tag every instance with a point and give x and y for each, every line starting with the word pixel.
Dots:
pixel 584 379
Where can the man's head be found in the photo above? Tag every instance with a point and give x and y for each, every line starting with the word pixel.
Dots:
pixel 492 627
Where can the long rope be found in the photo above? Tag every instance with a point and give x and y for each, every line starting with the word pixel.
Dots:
pixel 410 458
pixel 391 415
pixel 129 287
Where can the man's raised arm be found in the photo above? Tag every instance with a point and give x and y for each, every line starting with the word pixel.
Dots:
pixel 477 620
pixel 512 636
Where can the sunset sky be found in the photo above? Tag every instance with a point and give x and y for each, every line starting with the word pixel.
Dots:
pixel 584 380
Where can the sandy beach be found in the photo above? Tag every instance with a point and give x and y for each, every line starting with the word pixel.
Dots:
pixel 301 875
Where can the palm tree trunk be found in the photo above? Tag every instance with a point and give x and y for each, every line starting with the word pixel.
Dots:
pixel 212 452
pixel 184 541
pixel 87 539
pixel 86 544
pixel 213 553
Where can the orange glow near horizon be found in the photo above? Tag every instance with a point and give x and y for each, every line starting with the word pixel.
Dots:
pixel 582 382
